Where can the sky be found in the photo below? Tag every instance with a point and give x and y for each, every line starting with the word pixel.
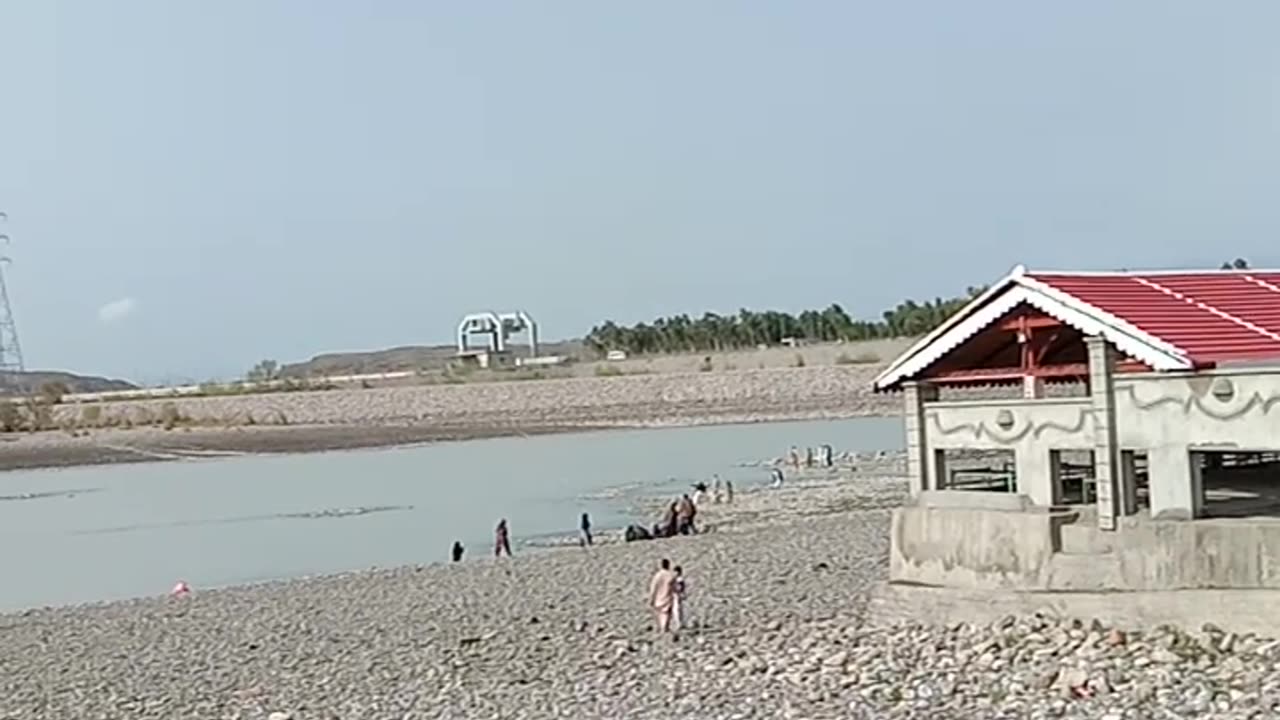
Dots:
pixel 195 186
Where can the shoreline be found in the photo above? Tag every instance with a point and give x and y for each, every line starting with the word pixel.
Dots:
pixel 780 624
pixel 52 450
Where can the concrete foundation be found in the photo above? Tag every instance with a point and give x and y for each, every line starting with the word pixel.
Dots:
pixel 1062 549
pixel 1240 611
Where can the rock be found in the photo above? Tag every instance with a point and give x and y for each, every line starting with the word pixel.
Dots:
pixel 836 660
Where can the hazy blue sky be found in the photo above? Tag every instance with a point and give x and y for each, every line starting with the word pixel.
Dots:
pixel 193 186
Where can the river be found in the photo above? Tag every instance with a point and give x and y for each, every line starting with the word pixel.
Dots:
pixel 111 532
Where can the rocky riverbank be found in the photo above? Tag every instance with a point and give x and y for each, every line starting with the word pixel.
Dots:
pixel 778 593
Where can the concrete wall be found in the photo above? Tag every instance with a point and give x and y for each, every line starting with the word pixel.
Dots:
pixel 1171 415
pixel 972 547
pixel 1216 410
pixel 961 544
pixel 1165 415
pixel 1030 428
pixel 1240 611
pixel 1226 553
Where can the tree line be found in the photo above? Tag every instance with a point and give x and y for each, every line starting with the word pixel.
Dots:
pixel 746 329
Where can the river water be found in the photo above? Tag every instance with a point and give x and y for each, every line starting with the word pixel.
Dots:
pixel 110 532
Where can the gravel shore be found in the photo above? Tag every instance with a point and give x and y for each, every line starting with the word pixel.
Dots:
pixel 778 589
pixel 135 431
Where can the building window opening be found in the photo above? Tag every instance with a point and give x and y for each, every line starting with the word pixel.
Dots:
pixel 1238 484
pixel 981 470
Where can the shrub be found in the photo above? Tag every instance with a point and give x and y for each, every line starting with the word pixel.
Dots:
pixel 91 415
pixel 52 392
pixel 10 416
pixel 170 416
pixel 40 414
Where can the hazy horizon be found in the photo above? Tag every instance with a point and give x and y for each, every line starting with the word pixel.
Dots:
pixel 192 187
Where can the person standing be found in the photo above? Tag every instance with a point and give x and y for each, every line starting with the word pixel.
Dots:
pixel 677 594
pixel 585 527
pixel 457 551
pixel 671 521
pixel 684 515
pixel 502 539
pixel 777 476
pixel 728 491
pixel 662 595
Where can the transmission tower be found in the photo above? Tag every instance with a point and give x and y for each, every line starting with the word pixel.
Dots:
pixel 10 348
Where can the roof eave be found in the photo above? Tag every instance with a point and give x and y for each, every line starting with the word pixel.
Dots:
pixel 880 384
pixel 988 308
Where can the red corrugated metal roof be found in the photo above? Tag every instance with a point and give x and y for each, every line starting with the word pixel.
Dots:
pixel 1212 316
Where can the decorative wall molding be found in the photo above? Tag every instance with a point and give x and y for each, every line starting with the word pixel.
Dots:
pixel 1027 427
pixel 1208 405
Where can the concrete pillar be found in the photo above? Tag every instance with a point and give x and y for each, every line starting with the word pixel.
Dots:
pixel 1055 476
pixel 1174 484
pixel 1032 387
pixel 914 396
pixel 1106 455
pixel 937 470
pixel 1035 475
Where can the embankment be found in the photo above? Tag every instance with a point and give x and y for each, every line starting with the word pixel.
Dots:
pixel 779 393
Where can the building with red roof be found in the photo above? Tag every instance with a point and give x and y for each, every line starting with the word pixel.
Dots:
pixel 1168 382
pixel 1181 320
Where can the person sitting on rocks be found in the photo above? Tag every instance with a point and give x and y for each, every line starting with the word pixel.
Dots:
pixel 662 595
pixel 502 539
pixel 457 551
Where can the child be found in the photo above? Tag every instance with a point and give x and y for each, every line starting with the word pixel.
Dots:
pixel 677 611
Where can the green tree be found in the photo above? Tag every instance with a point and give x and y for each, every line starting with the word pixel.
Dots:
pixel 748 328
pixel 264 371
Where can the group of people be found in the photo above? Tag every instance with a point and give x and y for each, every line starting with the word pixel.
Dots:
pixel 502 539
pixel 825 457
pixel 720 491
pixel 679 519
pixel 667 591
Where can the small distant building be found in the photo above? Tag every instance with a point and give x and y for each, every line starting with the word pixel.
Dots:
pixel 1167 384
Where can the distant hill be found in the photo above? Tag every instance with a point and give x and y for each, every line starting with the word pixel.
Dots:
pixel 28 383
pixel 409 357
